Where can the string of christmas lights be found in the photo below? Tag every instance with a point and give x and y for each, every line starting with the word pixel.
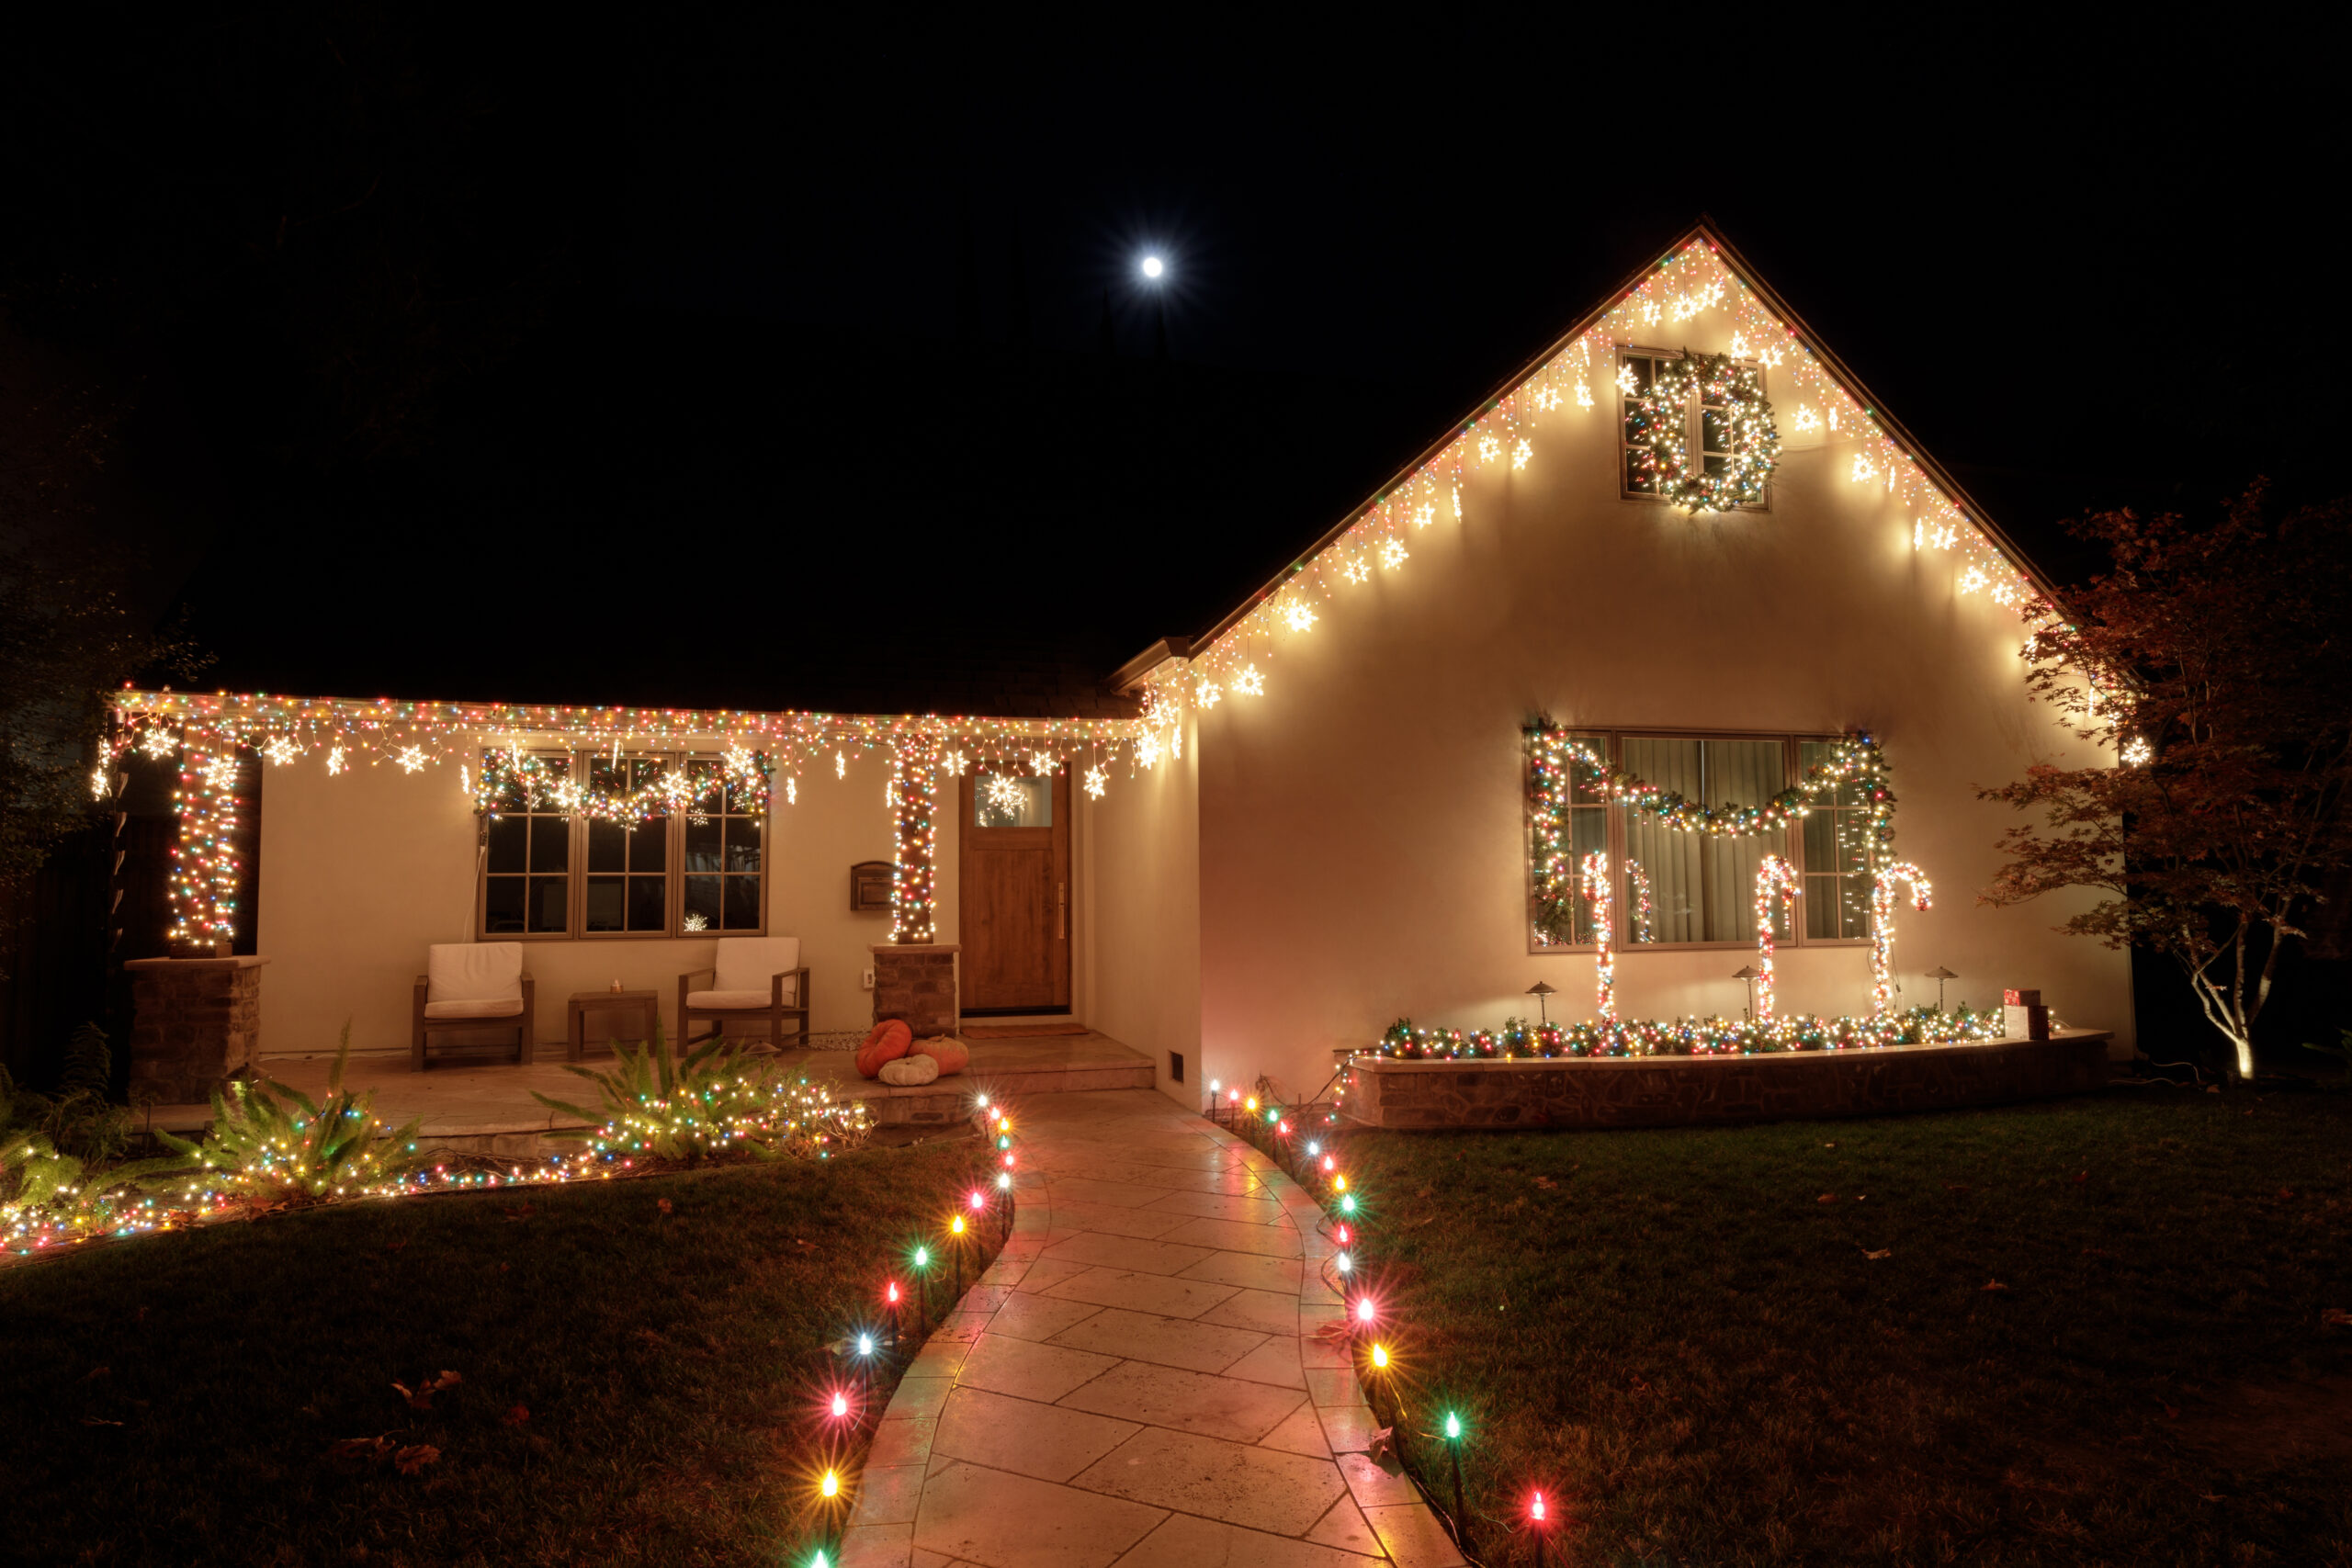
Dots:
pixel 1518 1040
pixel 1774 876
pixel 1693 284
pixel 1595 883
pixel 1659 430
pixel 1882 901
pixel 508 776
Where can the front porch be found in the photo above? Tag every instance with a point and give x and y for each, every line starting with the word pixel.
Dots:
pixel 480 1106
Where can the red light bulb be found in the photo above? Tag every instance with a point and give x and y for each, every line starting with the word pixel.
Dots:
pixel 1535 1508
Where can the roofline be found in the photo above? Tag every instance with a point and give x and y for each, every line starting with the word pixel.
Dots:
pixel 1704 229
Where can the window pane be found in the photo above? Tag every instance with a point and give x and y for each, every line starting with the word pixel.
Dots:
pixel 1001 800
pixel 702 843
pixel 701 904
pixel 508 838
pixel 550 844
pixel 1637 477
pixel 649 848
pixel 503 905
pixel 608 846
pixel 742 903
pixel 605 774
pixel 648 903
pixel 1821 842
pixel 1855 905
pixel 646 771
pixel 601 907
pixel 547 913
pixel 1580 792
pixel 513 797
pixel 1672 860
pixel 741 799
pixel 1821 908
pixel 743 843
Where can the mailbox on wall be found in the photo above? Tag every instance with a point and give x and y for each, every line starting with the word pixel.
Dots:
pixel 869 887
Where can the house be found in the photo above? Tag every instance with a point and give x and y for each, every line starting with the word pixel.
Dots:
pixel 1279 836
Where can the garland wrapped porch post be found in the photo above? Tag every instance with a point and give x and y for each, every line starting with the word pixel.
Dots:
pixel 914 795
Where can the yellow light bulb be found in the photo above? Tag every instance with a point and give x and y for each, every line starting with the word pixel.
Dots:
pixel 1380 1356
pixel 831 1484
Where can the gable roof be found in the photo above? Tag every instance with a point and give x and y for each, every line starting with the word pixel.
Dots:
pixel 1999 566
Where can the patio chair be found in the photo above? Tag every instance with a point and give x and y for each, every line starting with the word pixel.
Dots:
pixel 755 977
pixel 473 985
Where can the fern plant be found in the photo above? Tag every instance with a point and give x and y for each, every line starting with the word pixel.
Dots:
pixel 271 1141
pixel 712 1101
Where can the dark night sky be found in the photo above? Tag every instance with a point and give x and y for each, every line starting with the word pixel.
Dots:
pixel 724 362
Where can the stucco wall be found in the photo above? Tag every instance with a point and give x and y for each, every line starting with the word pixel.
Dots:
pixel 1361 823
pixel 360 872
pixel 1144 916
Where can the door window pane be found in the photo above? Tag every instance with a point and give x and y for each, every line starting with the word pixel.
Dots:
pixel 1007 800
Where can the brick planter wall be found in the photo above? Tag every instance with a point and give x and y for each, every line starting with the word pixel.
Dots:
pixel 197 1020
pixel 917 982
pixel 1687 1091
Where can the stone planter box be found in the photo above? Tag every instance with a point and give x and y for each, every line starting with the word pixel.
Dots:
pixel 1700 1092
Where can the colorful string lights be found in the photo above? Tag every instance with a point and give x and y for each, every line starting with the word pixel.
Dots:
pixel 1882 902
pixel 1774 876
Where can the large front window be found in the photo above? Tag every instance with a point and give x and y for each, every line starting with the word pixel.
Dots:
pixel 1672 887
pixel 677 870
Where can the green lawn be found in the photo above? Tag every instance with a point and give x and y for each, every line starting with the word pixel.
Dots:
pixel 180 1399
pixel 2095 1336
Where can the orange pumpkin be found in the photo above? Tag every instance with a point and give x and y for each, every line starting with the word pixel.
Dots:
pixel 952 1055
pixel 891 1039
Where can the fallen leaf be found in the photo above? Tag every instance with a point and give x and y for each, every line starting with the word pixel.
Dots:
pixel 415 1457
pixel 355 1450
pixel 2335 1315
pixel 96 1373
pixel 520 1211
pixel 1995 1285
pixel 2082 1175
pixel 1546 1181
pixel 2288 1192
pixel 516 1415
pixel 666 1205
pixel 421 1398
pixel 1384 1445
pixel 2213 1497
pixel 141 1317
pixel 98 1421
pixel 2172 1412
pixel 1956 1186
pixel 1881 1252
pixel 395 1246
pixel 1829 1145
pixel 1827 1197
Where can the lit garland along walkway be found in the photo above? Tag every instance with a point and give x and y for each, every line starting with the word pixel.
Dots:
pixel 1138 1379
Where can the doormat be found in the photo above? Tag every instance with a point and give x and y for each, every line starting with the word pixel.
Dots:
pixel 1020 1030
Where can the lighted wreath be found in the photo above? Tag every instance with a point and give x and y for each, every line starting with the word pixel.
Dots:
pixel 1658 428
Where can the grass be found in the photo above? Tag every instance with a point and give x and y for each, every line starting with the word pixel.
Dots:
pixel 180 1398
pixel 2083 1332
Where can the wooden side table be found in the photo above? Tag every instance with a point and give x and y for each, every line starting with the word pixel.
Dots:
pixel 646 1005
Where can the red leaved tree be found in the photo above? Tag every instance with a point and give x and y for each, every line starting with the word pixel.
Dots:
pixel 2214 664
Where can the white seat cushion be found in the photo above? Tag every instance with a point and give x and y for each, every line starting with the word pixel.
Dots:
pixel 758 999
pixel 474 1009
pixel 746 963
pixel 473 972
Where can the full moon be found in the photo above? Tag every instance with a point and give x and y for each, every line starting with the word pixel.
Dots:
pixel 1153 266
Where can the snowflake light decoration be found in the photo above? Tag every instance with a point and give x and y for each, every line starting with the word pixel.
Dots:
pixel 1584 396
pixel 1094 783
pixel 1521 453
pixel 1393 555
pixel 157 743
pixel 1488 448
pixel 334 762
pixel 1355 571
pixel 281 750
pixel 696 922
pixel 1249 684
pixel 1424 515
pixel 99 782
pixel 791 789
pixel 1005 797
pixel 1147 749
pixel 1044 765
pixel 1625 382
pixel 956 763
pixel 841 766
pixel 1211 694
pixel 2137 752
pixel 1300 617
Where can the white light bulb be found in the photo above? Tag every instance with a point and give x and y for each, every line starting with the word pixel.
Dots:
pixel 1153 266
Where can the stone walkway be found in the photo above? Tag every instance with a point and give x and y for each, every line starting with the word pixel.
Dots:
pixel 1135 1379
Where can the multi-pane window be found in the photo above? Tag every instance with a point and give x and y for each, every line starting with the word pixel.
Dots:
pixel 673 872
pixel 725 849
pixel 1837 857
pixel 1709 436
pixel 629 863
pixel 526 857
pixel 1675 888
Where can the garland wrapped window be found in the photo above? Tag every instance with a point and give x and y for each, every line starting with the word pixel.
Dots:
pixel 1558 762
pixel 508 775
pixel 1738 433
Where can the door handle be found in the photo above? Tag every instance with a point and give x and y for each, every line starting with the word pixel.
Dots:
pixel 1062 911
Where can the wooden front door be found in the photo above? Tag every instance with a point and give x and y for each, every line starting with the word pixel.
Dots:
pixel 1013 894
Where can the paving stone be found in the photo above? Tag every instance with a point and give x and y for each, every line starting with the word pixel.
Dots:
pixel 1048 1272
pixel 1346 1528
pixel 1255 1487
pixel 1269 1312
pixel 1372 1486
pixel 919 1397
pixel 1334 1385
pixel 1248 1270
pixel 1027 1369
pixel 1348 1429
pixel 1127 1252
pixel 1121 1194
pixel 1275 1362
pixel 899 1441
pixel 1186 1542
pixel 1167 1341
pixel 887 1495
pixel 939 1358
pixel 1142 1293
pixel 1039 1317
pixel 1238 1235
pixel 877 1546
pixel 1299 1433
pixel 1011 1522
pixel 1110 1219
pixel 1045 1442
pixel 1218 1206
pixel 1192 1401
pixel 1412 1537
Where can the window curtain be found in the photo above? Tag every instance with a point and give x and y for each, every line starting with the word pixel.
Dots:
pixel 1672 860
pixel 1738 773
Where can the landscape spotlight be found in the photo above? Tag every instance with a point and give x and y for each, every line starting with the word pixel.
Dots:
pixel 1153 266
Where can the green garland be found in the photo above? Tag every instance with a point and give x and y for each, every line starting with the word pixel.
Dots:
pixel 1558 759
pixel 1660 432
pixel 504 772
pixel 1519 1040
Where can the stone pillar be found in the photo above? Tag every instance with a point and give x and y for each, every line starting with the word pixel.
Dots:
pixel 914 802
pixel 916 981
pixel 196 1021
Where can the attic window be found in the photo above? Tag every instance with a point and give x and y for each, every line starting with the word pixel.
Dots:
pixel 1708 433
